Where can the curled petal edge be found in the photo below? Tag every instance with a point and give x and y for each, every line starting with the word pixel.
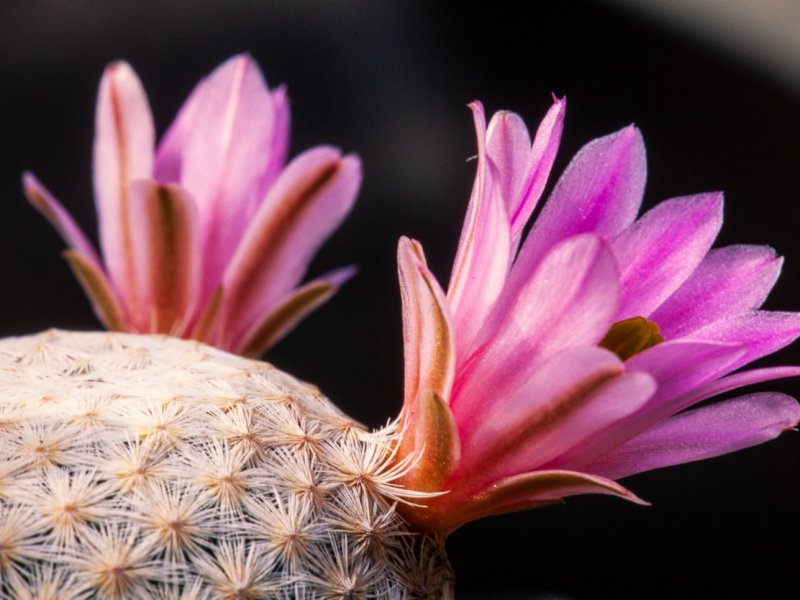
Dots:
pixel 291 310
pixel 447 513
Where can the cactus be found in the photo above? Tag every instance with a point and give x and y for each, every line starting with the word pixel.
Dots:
pixel 553 364
pixel 151 467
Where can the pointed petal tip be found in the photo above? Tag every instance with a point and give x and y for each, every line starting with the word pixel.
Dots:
pixel 347 166
pixel 506 116
pixel 246 62
pixel 116 65
pixel 792 414
pixel 713 202
pixel 30 183
pixel 717 199
pixel 342 275
pixel 622 140
pixel 408 247
pixel 479 118
pixel 630 496
pixel 612 488
pixel 351 163
pixel 245 59
pixel 119 71
pixel 784 409
pixel 37 194
pixel 630 132
pixel 322 153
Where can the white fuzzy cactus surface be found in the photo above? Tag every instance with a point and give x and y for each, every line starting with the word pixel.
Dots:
pixel 151 467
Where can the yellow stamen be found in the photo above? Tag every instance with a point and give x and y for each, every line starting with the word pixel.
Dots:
pixel 631 336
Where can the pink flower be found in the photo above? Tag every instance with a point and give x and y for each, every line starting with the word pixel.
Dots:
pixel 208 235
pixel 556 369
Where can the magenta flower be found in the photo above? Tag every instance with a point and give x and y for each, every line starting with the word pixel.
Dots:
pixel 556 369
pixel 208 235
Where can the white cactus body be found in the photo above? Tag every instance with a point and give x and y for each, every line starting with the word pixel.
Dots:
pixel 150 467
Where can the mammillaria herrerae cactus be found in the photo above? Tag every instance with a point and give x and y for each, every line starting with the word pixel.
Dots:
pixel 144 466
pixel 151 467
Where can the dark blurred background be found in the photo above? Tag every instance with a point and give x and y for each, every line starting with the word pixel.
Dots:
pixel 391 80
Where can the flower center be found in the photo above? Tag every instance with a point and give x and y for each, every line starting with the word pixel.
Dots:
pixel 631 336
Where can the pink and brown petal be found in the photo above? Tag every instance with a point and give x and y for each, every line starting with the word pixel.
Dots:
pixel 579 359
pixel 182 226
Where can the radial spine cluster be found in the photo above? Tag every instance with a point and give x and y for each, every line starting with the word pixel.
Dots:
pixel 150 467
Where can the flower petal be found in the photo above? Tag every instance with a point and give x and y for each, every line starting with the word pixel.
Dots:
pixel 677 367
pixel 427 332
pixel 508 145
pixel 568 400
pixel 227 131
pixel 51 209
pixel 436 443
pixel 306 204
pixel 570 300
pixel 730 281
pixel 279 145
pixel 537 170
pixel 169 156
pixel 681 365
pixel 292 309
pixel 166 256
pixel 659 251
pixel 484 252
pixel 123 153
pixel 734 382
pixel 702 433
pixel 98 289
pixel 764 332
pixel 528 490
pixel 600 191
